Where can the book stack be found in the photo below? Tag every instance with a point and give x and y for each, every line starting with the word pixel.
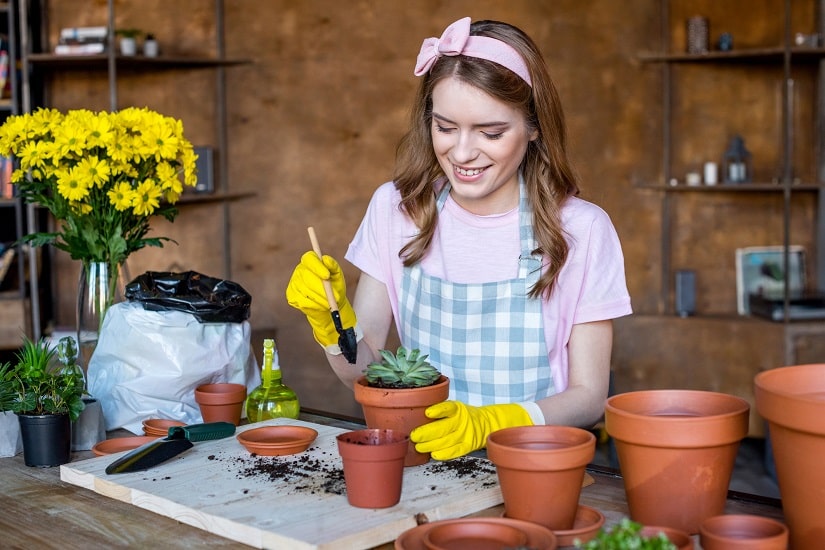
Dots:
pixel 82 41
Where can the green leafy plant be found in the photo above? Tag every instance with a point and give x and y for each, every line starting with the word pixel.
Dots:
pixel 37 385
pixel 402 369
pixel 129 33
pixel 626 535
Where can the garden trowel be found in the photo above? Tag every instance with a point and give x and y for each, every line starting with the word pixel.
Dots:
pixel 178 440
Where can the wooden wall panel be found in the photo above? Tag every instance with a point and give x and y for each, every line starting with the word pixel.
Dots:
pixel 314 121
pixel 315 118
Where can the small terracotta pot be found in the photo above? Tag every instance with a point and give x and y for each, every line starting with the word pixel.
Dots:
pixel 401 409
pixel 586 526
pixel 222 402
pixel 679 539
pixel 676 452
pixel 743 532
pixel 373 466
pixel 540 470
pixel 792 400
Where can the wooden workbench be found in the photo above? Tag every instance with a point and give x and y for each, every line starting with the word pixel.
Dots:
pixel 40 511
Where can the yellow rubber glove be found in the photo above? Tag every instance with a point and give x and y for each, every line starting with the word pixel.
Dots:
pixel 305 292
pixel 462 429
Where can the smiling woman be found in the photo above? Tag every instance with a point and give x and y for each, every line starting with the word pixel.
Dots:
pixel 479 251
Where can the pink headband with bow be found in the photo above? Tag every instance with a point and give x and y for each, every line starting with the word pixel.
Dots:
pixel 456 40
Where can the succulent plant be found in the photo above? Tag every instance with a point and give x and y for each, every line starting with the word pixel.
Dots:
pixel 402 369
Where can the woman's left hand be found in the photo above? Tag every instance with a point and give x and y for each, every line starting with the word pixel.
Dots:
pixel 461 429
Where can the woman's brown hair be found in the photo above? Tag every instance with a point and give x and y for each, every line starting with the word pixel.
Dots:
pixel 547 171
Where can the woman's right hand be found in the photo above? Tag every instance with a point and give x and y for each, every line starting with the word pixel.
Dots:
pixel 306 292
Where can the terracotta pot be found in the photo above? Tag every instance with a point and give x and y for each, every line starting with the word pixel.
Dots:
pixel 586 526
pixel 540 470
pixel 222 402
pixel 373 466
pixel 679 539
pixel 743 532
pixel 401 410
pixel 676 451
pixel 792 400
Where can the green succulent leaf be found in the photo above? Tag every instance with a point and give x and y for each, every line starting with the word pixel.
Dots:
pixel 402 369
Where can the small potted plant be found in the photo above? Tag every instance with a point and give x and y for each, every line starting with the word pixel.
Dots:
pixel 46 398
pixel 395 391
pixel 128 40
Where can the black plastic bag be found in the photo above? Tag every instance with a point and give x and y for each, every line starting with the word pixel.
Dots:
pixel 210 300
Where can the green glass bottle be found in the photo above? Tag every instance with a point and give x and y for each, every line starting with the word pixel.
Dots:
pixel 272 399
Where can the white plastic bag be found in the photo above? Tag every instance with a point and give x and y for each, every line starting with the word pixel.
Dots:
pixel 147 364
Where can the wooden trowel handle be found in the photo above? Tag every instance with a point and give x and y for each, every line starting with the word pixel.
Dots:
pixel 333 303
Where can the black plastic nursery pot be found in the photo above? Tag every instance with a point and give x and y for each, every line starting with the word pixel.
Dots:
pixel 47 439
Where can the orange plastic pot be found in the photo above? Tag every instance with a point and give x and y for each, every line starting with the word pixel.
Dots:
pixel 676 451
pixel 792 400
pixel 373 462
pixel 400 409
pixel 540 470
pixel 221 402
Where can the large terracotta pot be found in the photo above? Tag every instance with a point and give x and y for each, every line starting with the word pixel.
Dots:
pixel 676 451
pixel 792 400
pixel 221 402
pixel 401 409
pixel 743 532
pixel 540 470
pixel 373 461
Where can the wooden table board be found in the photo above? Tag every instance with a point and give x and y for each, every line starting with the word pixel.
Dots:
pixel 209 487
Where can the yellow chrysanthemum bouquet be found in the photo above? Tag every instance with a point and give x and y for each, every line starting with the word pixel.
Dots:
pixel 102 176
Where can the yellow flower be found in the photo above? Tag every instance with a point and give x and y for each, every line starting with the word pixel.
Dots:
pixel 71 185
pixel 121 196
pixel 189 160
pixel 81 208
pixel 70 139
pixel 100 130
pixel 96 170
pixel 101 175
pixel 146 198
pixel 160 142
pixel 34 154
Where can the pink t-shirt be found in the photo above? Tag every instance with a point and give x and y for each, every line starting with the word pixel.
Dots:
pixel 477 249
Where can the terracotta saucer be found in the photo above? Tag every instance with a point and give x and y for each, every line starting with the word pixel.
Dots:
pixel 474 534
pixel 585 527
pixel 117 444
pixel 469 533
pixel 277 440
pixel 159 426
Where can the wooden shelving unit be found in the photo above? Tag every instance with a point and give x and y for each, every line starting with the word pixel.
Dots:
pixel 43 64
pixel 705 99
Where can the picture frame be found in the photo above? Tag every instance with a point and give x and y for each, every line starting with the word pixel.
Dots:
pixel 760 269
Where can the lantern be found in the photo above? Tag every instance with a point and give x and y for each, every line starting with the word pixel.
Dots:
pixel 736 164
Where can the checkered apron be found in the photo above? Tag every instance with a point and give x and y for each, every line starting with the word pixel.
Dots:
pixel 488 338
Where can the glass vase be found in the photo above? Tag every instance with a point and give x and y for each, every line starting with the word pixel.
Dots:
pixel 101 285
